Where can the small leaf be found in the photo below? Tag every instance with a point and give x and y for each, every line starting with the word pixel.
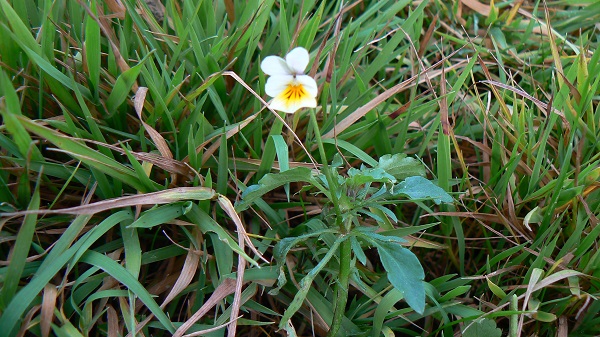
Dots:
pixel 358 251
pixel 574 286
pixel 452 294
pixel 496 289
pixel 421 188
pixel 283 247
pixel 590 178
pixel 337 161
pixel 568 194
pixel 401 166
pixel 272 181
pixel 380 218
pixel 546 317
pixel 385 211
pixel 534 216
pixel 405 273
pixel 369 234
pixel 486 327
pixel 493 15
pixel 358 177
pixel 405 231
pixel 281 281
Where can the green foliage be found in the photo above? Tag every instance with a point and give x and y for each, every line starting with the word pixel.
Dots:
pixel 420 188
pixel 485 327
pixel 404 272
pixel 447 183
pixel 354 193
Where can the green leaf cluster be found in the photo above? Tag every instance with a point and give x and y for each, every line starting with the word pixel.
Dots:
pixel 358 193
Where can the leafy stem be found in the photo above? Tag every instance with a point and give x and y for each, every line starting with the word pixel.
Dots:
pixel 341 287
pixel 330 181
pixel 362 192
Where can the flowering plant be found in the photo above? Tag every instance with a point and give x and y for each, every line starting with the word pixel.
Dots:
pixel 290 88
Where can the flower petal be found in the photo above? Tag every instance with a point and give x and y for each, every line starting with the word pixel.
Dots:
pixel 275 65
pixel 297 60
pixel 291 107
pixel 277 84
pixel 309 84
pixel 294 97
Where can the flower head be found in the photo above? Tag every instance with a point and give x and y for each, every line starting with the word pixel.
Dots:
pixel 287 84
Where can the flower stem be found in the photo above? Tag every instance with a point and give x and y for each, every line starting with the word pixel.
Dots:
pixel 341 287
pixel 332 185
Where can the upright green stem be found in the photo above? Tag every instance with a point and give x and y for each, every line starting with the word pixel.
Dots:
pixel 341 287
pixel 330 181
pixel 514 319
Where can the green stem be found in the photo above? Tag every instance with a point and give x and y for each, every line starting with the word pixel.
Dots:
pixel 514 319
pixel 330 181
pixel 341 287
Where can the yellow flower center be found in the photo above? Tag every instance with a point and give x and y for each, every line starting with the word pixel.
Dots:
pixel 294 93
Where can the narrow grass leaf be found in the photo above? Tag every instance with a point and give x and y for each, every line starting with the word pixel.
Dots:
pixel 160 215
pixel 123 85
pixel 454 293
pixel 189 269
pixel 20 252
pixel 66 239
pixel 9 110
pixel 383 308
pixel 227 206
pixel 224 289
pixel 92 48
pixel 223 169
pixel 22 32
pixel 48 306
pixel 157 138
pixel 123 276
pixel 161 197
pixel 85 154
pixel 57 77
pixel 207 224
pixel 133 249
pixel 283 156
pixel 269 152
pixel 16 308
pixel 353 149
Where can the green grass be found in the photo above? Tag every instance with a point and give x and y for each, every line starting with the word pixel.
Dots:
pixel 130 132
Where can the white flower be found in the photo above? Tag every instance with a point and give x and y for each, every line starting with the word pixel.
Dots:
pixel 287 84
